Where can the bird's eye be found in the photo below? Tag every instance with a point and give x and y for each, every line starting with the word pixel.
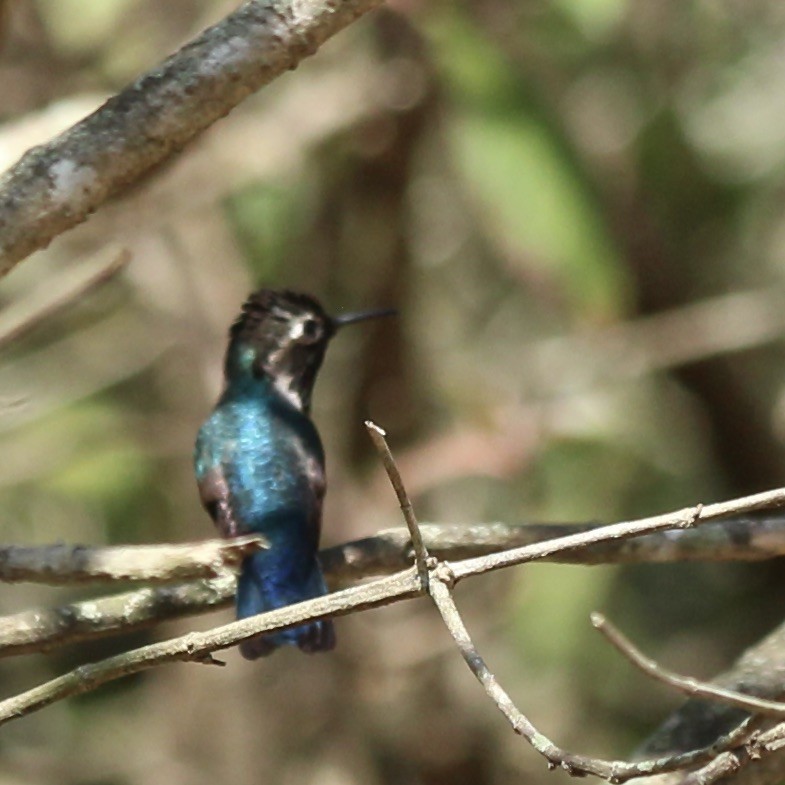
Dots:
pixel 311 330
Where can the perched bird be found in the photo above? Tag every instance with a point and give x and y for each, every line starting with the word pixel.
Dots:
pixel 259 460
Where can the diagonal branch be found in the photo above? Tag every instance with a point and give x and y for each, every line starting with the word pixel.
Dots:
pixel 740 538
pixel 57 185
pixel 681 519
pixel 198 646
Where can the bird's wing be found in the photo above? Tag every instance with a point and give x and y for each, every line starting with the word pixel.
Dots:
pixel 214 493
pixel 314 468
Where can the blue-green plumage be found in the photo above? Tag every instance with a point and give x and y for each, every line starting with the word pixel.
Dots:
pixel 259 460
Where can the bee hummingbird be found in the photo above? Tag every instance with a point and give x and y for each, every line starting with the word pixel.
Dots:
pixel 259 460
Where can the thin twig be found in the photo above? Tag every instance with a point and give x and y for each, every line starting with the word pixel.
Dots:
pixel 740 538
pixel 56 564
pixel 682 519
pixel 685 684
pixel 57 185
pixel 197 646
pixel 420 551
pixel 616 771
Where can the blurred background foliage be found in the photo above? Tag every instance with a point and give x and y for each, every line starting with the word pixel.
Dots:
pixel 578 208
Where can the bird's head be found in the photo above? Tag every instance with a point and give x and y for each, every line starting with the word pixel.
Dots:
pixel 283 335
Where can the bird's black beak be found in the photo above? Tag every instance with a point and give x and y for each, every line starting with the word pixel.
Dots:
pixel 361 316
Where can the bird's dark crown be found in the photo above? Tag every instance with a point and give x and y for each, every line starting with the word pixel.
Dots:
pixel 266 308
pixel 280 335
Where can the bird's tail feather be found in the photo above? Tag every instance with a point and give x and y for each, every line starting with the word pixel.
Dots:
pixel 259 591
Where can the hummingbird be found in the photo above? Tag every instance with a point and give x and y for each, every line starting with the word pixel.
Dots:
pixel 259 460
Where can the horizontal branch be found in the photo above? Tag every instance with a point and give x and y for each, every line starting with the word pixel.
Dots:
pixel 61 563
pixel 404 585
pixel 681 519
pixel 57 185
pixel 741 538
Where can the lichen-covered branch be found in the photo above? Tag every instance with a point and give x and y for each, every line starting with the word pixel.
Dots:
pixel 44 629
pixel 57 185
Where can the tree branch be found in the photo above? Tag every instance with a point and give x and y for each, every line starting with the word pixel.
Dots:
pixel 404 585
pixel 57 185
pixel 45 629
pixel 616 771
pixel 385 553
pixel 740 538
pixel 61 563
pixel 198 646
pixel 681 519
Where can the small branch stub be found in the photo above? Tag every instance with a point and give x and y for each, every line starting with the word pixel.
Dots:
pixel 420 551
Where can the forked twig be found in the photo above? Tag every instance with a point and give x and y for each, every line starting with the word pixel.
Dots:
pixel 441 579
